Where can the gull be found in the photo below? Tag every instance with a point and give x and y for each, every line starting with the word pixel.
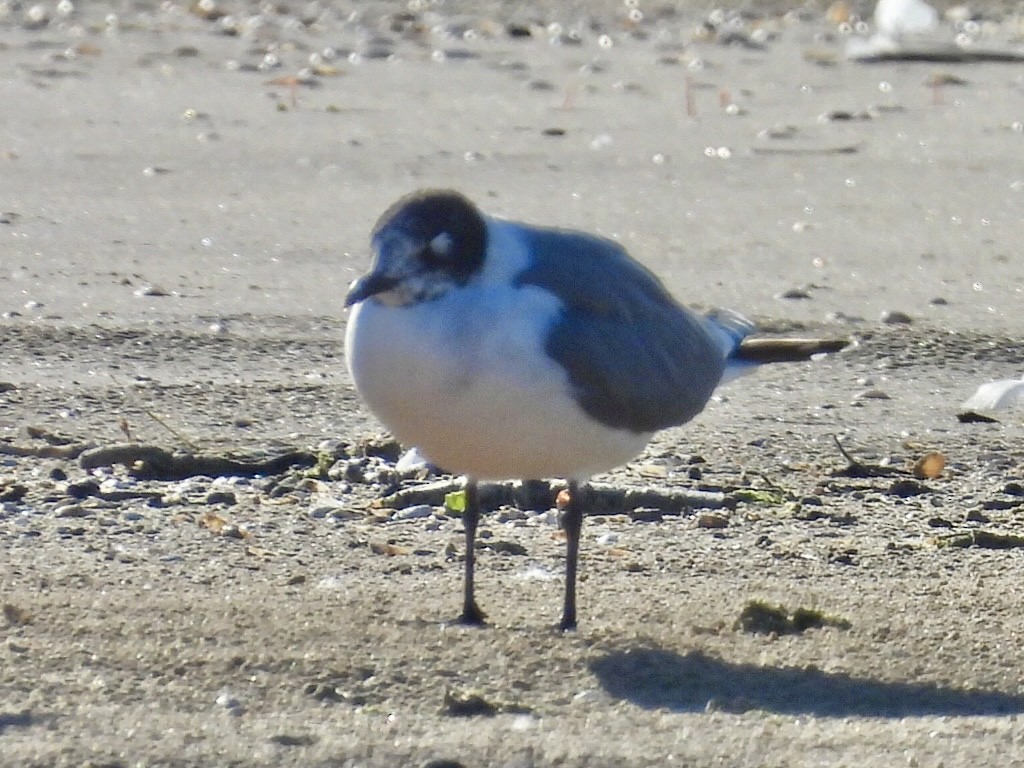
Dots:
pixel 503 351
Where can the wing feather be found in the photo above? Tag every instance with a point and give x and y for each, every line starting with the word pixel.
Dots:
pixel 636 358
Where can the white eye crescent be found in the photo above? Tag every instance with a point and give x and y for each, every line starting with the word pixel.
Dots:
pixel 441 244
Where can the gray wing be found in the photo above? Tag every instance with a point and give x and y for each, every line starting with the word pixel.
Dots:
pixel 636 358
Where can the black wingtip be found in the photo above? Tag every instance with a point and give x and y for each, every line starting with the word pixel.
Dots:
pixel 763 351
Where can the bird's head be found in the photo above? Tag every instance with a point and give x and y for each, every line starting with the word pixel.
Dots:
pixel 424 245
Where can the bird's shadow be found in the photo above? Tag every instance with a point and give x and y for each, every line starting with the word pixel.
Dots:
pixel 652 677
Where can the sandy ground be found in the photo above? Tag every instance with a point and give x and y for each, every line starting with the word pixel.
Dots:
pixel 179 228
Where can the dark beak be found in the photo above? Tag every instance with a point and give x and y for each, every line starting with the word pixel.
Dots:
pixel 369 285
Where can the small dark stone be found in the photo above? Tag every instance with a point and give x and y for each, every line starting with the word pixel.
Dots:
pixel 907 487
pixel 986 540
pixel 761 618
pixel 383 448
pixel 976 516
pixel 970 417
pixel 15 492
pixel 221 497
pixel 999 504
pixel 895 317
pixel 506 547
pixel 843 557
pixel 83 489
pixel 21 719
pixel 294 740
pixel 460 54
pixel 795 293
pixel 644 515
pixel 939 522
pixel 442 762
pixel 467 705
pixel 1014 488
pixel 553 132
pixel 695 473
pixel 810 514
pixel 57 473
pixel 517 31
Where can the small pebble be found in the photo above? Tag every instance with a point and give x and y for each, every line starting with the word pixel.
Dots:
pixel 72 510
pixel 905 488
pixel 413 513
pixel 895 317
pixel 510 514
pixel 872 394
pixel 795 293
pixel 229 702
pixel 83 488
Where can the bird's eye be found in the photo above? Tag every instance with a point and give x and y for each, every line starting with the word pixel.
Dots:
pixel 441 245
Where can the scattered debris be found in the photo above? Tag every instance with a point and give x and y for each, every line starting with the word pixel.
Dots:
pixel 857 468
pixel 151 462
pixel 841 149
pixel 474 704
pixel 907 487
pixel 539 495
pixel 389 549
pixel 16 615
pixel 951 55
pixel 758 496
pixel 711 520
pixel 759 617
pixel 982 538
pixel 294 740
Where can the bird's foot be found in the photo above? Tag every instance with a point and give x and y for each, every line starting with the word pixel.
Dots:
pixel 567 624
pixel 472 616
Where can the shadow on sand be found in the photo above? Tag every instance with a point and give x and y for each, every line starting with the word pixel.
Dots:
pixel 652 677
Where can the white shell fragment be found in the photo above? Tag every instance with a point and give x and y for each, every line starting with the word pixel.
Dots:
pixel 411 461
pixel 896 18
pixel 996 396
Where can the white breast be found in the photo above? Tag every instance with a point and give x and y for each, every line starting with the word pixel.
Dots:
pixel 465 378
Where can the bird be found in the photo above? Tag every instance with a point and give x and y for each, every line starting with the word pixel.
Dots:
pixel 503 350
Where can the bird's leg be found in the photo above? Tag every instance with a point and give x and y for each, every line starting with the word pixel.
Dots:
pixel 471 613
pixel 572 524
